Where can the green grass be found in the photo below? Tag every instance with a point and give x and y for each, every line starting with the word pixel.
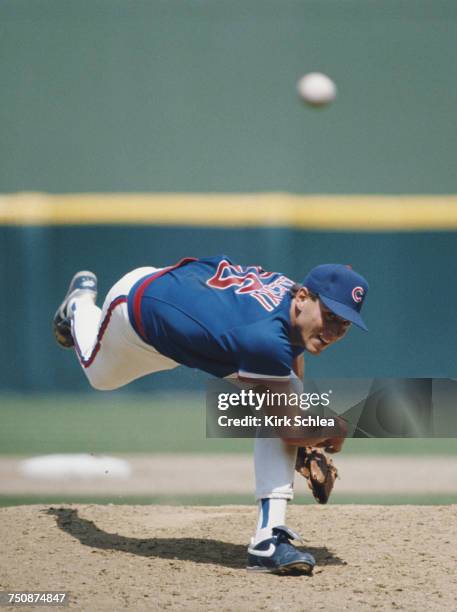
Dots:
pixel 118 423
pixel 115 423
pixel 222 500
pixel 108 423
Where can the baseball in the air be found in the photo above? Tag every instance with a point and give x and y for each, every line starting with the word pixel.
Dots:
pixel 316 89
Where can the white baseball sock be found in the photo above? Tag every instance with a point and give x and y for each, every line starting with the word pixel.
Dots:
pixel 274 463
pixel 272 512
pixel 85 323
pixel 274 473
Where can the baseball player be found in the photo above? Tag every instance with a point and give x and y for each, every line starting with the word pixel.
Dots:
pixel 225 319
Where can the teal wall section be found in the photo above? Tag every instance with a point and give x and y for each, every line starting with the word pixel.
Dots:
pixel 410 309
pixel 199 95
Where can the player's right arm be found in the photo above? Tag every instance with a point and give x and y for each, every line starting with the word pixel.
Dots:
pixel 294 436
pixel 332 445
pixel 298 366
pixel 268 363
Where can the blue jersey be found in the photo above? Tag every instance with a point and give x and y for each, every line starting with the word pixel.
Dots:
pixel 217 316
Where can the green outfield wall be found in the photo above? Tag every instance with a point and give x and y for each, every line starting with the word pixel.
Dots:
pixel 199 95
pixel 113 97
pixel 410 309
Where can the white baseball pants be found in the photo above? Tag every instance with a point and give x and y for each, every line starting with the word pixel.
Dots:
pixel 109 350
pixel 112 355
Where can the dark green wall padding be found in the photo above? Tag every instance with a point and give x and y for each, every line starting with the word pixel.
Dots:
pixel 410 309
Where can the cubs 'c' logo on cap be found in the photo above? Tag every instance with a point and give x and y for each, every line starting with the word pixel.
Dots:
pixel 357 294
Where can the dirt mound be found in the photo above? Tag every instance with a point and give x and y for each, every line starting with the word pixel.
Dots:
pixel 193 558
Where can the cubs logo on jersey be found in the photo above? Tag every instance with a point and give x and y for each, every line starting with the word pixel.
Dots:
pixel 268 288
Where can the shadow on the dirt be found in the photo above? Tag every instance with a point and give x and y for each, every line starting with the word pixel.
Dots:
pixel 185 549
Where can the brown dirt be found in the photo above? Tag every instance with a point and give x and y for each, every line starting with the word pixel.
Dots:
pixel 192 558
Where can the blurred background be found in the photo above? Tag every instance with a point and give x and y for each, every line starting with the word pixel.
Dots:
pixel 138 133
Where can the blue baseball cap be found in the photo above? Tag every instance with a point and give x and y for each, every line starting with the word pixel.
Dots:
pixel 342 290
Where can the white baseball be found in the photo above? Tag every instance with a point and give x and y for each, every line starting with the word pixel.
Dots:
pixel 316 89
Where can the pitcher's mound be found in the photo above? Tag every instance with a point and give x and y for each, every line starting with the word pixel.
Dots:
pixel 193 558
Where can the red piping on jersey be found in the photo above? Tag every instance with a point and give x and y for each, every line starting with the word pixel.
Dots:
pixel 87 362
pixel 142 288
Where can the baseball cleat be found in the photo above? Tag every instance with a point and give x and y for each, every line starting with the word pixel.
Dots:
pixel 278 556
pixel 82 283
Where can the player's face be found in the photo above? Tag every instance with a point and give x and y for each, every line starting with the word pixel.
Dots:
pixel 314 326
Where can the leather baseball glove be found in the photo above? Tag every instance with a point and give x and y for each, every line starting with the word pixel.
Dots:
pixel 319 471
